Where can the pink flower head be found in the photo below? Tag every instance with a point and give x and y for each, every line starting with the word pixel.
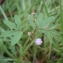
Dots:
pixel 38 41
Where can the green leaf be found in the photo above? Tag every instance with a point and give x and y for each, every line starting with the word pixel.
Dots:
pixel 16 38
pixel 17 21
pixel 50 41
pixel 23 5
pixel 27 47
pixel 30 21
pixel 39 19
pixel 8 33
pixel 55 34
pixel 10 24
pixel 2 59
pixel 21 51
pixel 53 26
pixel 48 21
pixel 2 30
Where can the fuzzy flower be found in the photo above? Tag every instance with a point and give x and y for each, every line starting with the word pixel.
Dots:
pixel 38 41
pixel 29 33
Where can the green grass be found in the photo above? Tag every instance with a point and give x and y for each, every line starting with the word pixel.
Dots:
pixel 42 19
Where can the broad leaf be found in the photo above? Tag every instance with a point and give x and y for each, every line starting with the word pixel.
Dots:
pixel 16 38
pixel 2 30
pixel 10 24
pixel 8 33
pixel 17 21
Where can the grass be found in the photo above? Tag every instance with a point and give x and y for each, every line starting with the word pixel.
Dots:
pixel 42 19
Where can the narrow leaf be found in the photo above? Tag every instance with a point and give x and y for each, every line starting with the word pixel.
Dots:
pixel 17 20
pixel 30 21
pixel 48 21
pixel 39 19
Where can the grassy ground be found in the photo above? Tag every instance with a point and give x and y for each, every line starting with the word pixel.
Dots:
pixel 22 22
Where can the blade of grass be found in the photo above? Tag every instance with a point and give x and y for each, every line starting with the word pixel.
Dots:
pixel 45 8
pixel 61 19
pixel 23 5
pixel 3 13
